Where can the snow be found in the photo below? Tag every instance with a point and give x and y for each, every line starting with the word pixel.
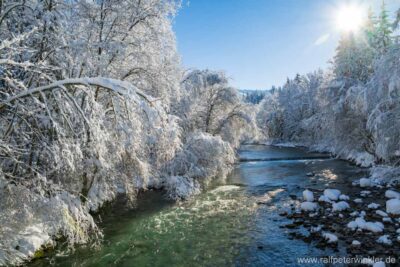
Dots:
pixel 308 195
pixel 332 194
pixel 358 200
pixel 381 213
pixel 373 206
pixel 387 219
pixel 355 243
pixel 95 144
pixel 180 187
pixel 392 194
pixel 308 206
pixel 393 206
pixel 31 240
pixel 331 238
pixel 365 182
pixel 315 229
pixel 354 213
pixel 365 193
pixel 360 223
pixel 340 206
pixel 384 239
pixel 324 198
pixel 379 264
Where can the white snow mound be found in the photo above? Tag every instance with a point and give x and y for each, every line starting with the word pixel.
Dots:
pixel 339 206
pixel 331 238
pixel 392 194
pixel 332 194
pixel 393 206
pixel 308 195
pixel 308 206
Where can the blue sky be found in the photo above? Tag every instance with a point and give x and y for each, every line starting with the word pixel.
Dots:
pixel 258 43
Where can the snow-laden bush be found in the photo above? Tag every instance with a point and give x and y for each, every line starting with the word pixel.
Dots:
pixel 203 159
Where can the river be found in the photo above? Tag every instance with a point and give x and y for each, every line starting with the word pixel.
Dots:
pixel 235 224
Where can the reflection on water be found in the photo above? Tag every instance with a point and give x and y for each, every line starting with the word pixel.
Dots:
pixel 236 224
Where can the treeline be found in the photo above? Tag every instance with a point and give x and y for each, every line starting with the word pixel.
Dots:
pixel 254 96
pixel 351 110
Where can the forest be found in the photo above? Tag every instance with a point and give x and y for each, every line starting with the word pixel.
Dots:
pixel 95 103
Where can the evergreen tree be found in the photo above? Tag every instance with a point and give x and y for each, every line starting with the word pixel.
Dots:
pixel 370 28
pixel 354 58
pixel 383 31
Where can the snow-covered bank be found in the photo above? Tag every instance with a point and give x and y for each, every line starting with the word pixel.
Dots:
pixel 32 221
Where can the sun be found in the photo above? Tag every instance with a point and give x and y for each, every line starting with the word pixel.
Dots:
pixel 350 18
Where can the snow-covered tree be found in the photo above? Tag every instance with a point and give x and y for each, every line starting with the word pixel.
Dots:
pixel 87 93
pixel 214 107
pixel 354 57
pixel 383 38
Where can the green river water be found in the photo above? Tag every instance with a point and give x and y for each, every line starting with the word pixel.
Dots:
pixel 234 224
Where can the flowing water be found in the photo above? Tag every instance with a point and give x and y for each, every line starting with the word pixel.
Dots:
pixel 235 224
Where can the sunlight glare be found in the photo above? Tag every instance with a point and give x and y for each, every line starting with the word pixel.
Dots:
pixel 349 18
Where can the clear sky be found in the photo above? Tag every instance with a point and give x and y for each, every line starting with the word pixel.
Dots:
pixel 258 43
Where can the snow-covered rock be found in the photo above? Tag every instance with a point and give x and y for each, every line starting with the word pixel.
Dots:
pixel 358 200
pixel 344 197
pixel 379 264
pixel 355 243
pixel 324 198
pixel 339 206
pixel 365 182
pixel 331 238
pixel 360 223
pixel 381 213
pixel 332 194
pixel 392 194
pixel 315 229
pixel 373 206
pixel 384 240
pixel 393 206
pixel 308 195
pixel 387 219
pixel 365 193
pixel 354 213
pixel 308 206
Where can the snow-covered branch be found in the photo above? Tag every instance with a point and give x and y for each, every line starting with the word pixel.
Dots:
pixel 120 87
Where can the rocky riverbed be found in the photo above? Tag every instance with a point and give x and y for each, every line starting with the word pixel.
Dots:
pixel 362 222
